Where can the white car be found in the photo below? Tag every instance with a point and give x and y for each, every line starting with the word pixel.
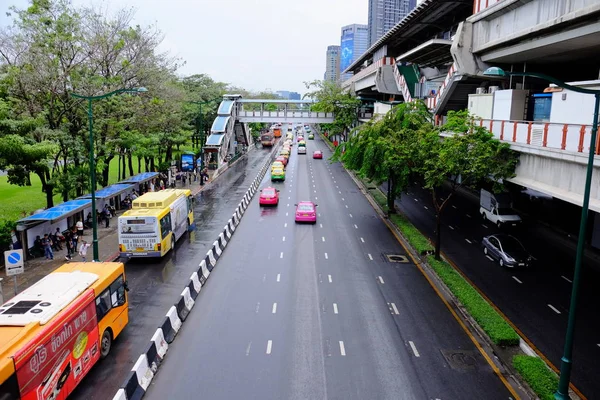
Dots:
pixel 301 150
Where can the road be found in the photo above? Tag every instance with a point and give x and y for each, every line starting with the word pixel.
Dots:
pixel 156 285
pixel 316 312
pixel 535 300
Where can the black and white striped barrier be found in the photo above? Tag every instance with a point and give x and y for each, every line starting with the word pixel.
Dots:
pixel 147 364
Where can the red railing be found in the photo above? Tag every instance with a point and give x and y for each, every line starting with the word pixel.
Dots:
pixel 569 137
pixel 480 5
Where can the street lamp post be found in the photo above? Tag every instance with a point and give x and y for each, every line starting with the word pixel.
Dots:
pixel 562 393
pixel 90 99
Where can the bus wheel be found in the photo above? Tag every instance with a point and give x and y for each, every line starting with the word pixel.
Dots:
pixel 105 343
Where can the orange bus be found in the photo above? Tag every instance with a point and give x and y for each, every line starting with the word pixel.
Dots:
pixel 267 139
pixel 277 132
pixel 53 332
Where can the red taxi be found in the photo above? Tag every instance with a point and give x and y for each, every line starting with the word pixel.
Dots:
pixel 269 196
pixel 318 154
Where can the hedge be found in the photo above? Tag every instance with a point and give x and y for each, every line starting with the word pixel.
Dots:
pixel 412 234
pixel 537 375
pixel 499 331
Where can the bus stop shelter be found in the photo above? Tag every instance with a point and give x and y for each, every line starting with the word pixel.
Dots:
pixel 112 194
pixel 48 220
pixel 140 180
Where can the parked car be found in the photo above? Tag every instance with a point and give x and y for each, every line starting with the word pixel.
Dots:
pixel 507 249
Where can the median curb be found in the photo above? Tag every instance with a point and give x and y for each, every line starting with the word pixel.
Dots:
pixel 140 376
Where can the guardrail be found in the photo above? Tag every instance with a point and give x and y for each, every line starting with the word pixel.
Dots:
pixel 568 137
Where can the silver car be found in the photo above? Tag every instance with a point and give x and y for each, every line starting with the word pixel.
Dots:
pixel 507 250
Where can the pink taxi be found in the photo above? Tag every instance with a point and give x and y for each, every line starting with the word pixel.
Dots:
pixel 269 196
pixel 306 211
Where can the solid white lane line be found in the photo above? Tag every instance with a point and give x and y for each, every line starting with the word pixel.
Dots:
pixel 326 257
pixel 269 346
pixel 257 307
pixel 278 277
pixel 355 226
pixel 320 225
pixel 490 258
pixel 274 308
pixel 516 279
pixel 395 309
pixel 342 348
pixel 329 277
pixel 281 255
pixel 425 207
pixel 335 309
pixel 248 348
pixel 370 256
pixel 362 240
pixel 323 238
pixel 468 241
pixel 566 279
pixel 553 308
pixel 451 227
pixel 350 215
pixel 414 348
pixel 380 279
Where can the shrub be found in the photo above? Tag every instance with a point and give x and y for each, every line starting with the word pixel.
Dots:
pixel 537 375
pixel 412 234
pixel 499 331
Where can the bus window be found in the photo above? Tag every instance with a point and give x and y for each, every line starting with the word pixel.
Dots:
pixel 189 203
pixel 165 225
pixel 113 296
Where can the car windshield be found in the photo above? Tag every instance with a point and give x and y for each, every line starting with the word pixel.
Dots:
pixel 512 246
pixel 305 207
pixel 268 192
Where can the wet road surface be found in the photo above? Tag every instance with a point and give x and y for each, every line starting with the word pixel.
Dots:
pixel 156 284
pixel 317 312
pixel 536 299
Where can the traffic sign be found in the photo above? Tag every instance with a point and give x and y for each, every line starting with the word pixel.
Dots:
pixel 13 259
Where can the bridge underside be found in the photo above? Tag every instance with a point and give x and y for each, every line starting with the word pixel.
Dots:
pixel 309 117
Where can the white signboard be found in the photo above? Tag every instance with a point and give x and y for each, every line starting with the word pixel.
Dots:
pixel 13 259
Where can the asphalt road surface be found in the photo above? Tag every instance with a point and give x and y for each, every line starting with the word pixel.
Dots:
pixel 537 299
pixel 156 284
pixel 317 312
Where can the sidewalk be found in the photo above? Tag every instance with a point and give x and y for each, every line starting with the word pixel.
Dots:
pixel 108 246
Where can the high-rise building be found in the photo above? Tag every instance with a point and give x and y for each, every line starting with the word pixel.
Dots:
pixel 332 64
pixel 287 95
pixel 354 42
pixel 384 14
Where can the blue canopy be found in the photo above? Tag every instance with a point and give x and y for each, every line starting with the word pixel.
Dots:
pixel 215 139
pixel 140 178
pixel 220 124
pixel 225 107
pixel 60 211
pixel 109 191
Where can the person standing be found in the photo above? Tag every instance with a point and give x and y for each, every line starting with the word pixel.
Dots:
pixel 69 245
pixel 47 245
pixel 83 249
pixel 79 226
pixel 107 215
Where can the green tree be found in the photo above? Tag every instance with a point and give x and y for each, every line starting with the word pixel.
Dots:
pixel 330 97
pixel 467 154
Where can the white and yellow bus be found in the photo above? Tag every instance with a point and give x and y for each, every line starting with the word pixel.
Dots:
pixel 155 222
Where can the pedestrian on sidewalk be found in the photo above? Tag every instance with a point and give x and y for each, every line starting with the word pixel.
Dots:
pixel 107 215
pixel 79 226
pixel 74 238
pixel 69 245
pixel 47 245
pixel 83 249
pixel 195 174
pixel 58 237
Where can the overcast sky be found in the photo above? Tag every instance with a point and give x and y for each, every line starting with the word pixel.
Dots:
pixel 256 44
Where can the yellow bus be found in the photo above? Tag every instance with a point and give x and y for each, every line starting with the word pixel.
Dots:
pixel 155 222
pixel 52 333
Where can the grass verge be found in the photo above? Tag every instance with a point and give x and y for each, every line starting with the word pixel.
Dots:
pixel 537 375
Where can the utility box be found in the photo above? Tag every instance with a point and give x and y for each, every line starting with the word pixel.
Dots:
pixel 481 105
pixel 509 105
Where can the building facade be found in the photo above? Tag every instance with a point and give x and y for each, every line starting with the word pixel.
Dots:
pixel 354 41
pixel 332 64
pixel 287 95
pixel 384 14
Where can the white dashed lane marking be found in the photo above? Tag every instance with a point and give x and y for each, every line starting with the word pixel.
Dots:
pixel 326 256
pixel 329 277
pixel 380 279
pixel 516 279
pixel 370 256
pixel 414 348
pixel 342 348
pixel 554 309
pixel 274 310
pixel 278 277
pixel 335 308
pixel 269 346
